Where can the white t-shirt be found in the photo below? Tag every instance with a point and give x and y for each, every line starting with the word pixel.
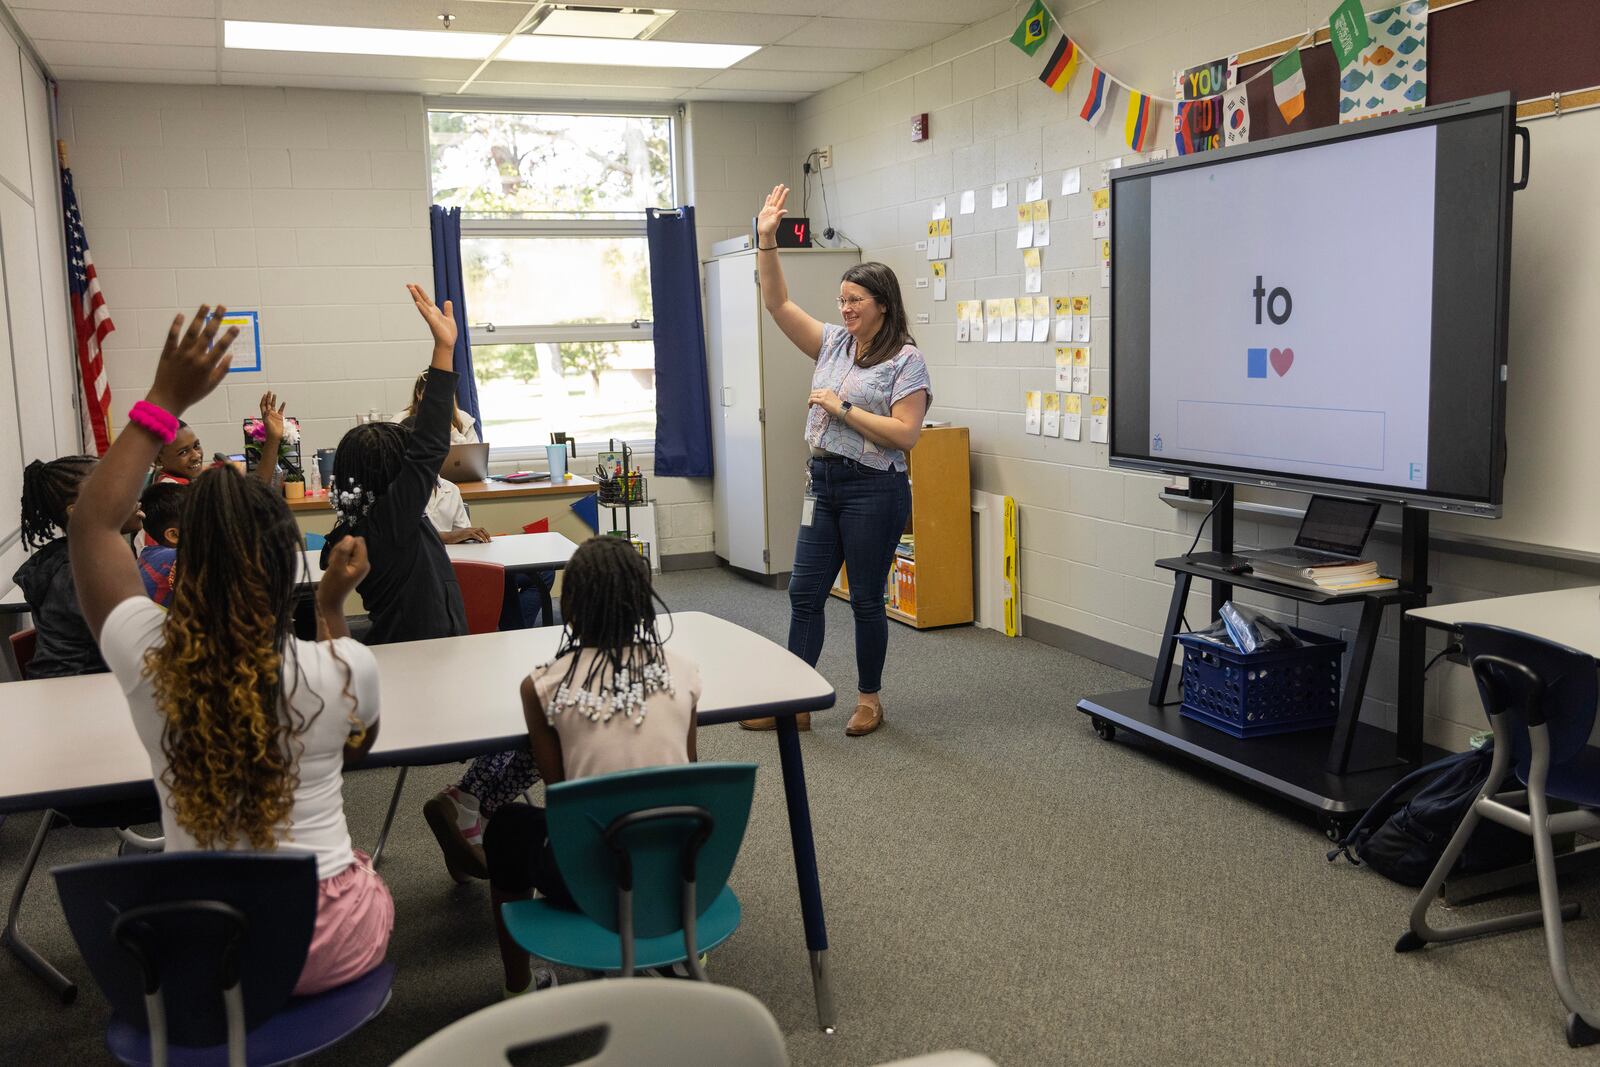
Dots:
pixel 316 823
pixel 446 510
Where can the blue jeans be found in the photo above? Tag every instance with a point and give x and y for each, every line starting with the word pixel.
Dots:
pixel 857 520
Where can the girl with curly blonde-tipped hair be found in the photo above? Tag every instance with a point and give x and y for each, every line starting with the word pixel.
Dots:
pixel 248 729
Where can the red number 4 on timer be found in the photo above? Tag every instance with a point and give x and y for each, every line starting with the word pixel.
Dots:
pixel 799 229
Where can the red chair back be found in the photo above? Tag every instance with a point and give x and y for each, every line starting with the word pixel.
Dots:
pixel 23 644
pixel 483 590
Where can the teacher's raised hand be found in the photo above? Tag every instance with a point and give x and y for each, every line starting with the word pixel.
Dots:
pixel 772 212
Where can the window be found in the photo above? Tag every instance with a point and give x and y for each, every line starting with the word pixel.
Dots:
pixel 555 263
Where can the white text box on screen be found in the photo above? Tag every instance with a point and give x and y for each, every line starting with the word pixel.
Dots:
pixel 1235 433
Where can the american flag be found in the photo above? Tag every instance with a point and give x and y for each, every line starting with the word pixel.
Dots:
pixel 91 318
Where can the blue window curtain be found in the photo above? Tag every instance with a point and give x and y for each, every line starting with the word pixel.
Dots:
pixel 683 402
pixel 446 226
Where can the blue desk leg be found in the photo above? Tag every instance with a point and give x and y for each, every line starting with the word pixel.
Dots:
pixel 805 867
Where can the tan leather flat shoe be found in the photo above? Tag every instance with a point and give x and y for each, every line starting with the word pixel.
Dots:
pixel 802 722
pixel 865 720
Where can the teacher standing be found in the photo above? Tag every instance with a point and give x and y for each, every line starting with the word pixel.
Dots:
pixel 869 394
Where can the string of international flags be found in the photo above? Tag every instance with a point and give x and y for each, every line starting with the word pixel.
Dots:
pixel 1140 115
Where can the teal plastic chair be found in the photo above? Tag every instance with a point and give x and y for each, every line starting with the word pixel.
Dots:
pixel 646 855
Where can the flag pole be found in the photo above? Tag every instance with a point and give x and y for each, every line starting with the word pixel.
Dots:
pixel 61 152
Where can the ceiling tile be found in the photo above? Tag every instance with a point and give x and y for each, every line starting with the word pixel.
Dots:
pixel 758 7
pixel 66 73
pixel 134 29
pixel 130 56
pixel 743 96
pixel 955 12
pixel 867 33
pixel 191 8
pixel 333 65
pixel 728 27
pixel 776 80
pixel 390 14
pixel 785 57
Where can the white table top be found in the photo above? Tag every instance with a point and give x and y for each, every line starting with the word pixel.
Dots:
pixel 1569 617
pixel 66 740
pixel 514 552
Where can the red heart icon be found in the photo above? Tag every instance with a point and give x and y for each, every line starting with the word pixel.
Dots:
pixel 1282 359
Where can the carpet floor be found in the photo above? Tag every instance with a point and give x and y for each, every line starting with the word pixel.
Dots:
pixel 996 878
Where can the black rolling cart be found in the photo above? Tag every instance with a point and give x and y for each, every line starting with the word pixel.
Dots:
pixel 1336 772
pixel 620 486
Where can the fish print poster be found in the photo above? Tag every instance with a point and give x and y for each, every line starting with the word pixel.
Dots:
pixel 1392 72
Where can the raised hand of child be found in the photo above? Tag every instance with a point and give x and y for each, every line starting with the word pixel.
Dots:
pixel 347 566
pixel 441 321
pixel 193 361
pixel 272 414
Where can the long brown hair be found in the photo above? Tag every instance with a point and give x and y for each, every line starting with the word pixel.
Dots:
pixel 457 418
pixel 881 284
pixel 219 674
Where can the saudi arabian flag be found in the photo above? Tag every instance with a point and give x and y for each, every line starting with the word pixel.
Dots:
pixel 1289 85
pixel 1033 29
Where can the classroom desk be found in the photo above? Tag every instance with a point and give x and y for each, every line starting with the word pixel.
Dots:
pixel 499 507
pixel 44 764
pixel 1569 617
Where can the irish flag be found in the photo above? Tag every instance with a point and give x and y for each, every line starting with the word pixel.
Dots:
pixel 1289 85
pixel 1096 99
pixel 1063 62
pixel 1137 125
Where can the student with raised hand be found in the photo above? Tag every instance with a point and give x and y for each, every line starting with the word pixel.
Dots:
pixel 248 729
pixel 64 644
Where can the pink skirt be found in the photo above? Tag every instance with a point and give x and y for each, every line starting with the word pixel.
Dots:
pixel 355 916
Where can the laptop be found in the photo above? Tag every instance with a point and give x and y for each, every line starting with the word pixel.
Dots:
pixel 466 463
pixel 1334 531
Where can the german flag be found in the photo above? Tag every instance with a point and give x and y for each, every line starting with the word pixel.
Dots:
pixel 1137 125
pixel 1063 62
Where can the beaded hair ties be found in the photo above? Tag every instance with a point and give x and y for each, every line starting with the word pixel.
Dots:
pixel 351 505
pixel 626 697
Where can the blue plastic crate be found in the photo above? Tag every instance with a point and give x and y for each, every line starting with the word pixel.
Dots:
pixel 1250 695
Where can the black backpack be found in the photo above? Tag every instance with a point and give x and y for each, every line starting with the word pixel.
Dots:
pixel 1403 839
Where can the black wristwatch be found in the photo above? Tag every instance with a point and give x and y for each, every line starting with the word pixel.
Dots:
pixel 844 408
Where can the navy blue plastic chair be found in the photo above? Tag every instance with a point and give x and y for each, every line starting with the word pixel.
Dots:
pixel 199 952
pixel 1540 698
pixel 646 856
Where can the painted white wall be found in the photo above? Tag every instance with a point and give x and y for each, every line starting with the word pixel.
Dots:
pixel 1089 534
pixel 311 206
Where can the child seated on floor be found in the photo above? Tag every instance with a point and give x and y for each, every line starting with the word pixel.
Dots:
pixel 49 493
pixel 162 504
pixel 613 699
pixel 247 729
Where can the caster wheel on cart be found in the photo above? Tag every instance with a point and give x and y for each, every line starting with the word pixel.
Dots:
pixel 1104 727
pixel 1334 827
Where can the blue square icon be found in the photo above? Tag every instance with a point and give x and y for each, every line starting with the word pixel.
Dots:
pixel 1255 363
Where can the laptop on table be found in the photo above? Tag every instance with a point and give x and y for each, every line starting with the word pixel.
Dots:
pixel 466 463
pixel 1333 533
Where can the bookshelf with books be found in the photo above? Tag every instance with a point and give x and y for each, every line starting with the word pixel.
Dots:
pixel 930 580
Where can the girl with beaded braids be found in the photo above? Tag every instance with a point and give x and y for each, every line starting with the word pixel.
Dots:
pixel 49 494
pixel 613 699
pixel 248 729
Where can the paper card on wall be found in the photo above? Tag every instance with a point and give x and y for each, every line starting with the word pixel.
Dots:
pixel 938 209
pixel 1080 370
pixel 991 313
pixel 1031 404
pixel 1008 318
pixel 1032 270
pixel 963 324
pixel 1100 199
pixel 1025 319
pixel 933 240
pixel 1104 248
pixel 1081 311
pixel 1041 318
pixel 1035 188
pixel 1041 223
pixel 997 195
pixel 1157 153
pixel 1024 225
pixel 1099 420
pixel 1114 164
pixel 969 201
pixel 1050 423
pixel 945 238
pixel 1063 367
pixel 975 313
pixel 1100 224
pixel 1063 317
pixel 1105 276
pixel 938 279
pixel 1071 180
pixel 1072 417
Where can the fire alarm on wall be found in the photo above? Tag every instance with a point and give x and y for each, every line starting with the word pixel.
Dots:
pixel 919 127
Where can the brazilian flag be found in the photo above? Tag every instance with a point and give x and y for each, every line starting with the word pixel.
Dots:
pixel 1033 29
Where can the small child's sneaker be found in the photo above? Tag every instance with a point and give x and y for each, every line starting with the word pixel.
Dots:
pixel 543 978
pixel 459 831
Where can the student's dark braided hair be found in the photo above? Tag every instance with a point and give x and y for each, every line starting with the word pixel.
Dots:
pixel 610 608
pixel 48 489
pixel 368 458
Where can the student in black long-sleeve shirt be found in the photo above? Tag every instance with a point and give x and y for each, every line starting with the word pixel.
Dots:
pixel 383 474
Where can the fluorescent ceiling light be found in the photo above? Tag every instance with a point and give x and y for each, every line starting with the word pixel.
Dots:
pixel 357 40
pixel 577 22
pixel 612 53
pixel 457 44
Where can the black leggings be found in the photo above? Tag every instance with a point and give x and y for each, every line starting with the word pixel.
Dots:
pixel 516 845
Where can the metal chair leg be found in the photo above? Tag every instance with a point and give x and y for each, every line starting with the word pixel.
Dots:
pixel 1544 860
pixel 60 984
pixel 388 820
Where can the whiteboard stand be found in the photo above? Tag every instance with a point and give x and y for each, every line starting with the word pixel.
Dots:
pixel 1338 771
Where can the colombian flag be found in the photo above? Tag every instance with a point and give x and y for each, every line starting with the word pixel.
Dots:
pixel 1063 62
pixel 1137 125
pixel 1097 96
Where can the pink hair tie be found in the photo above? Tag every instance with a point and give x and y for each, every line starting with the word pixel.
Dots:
pixel 159 421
